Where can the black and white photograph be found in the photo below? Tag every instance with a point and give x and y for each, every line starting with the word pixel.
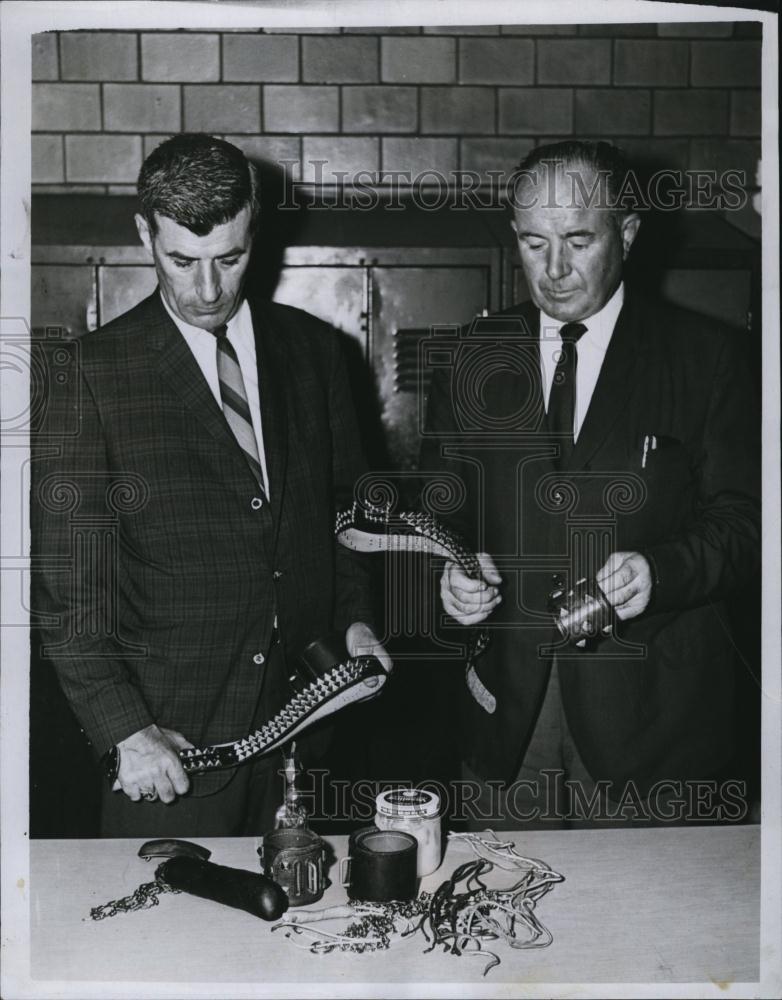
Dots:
pixel 390 499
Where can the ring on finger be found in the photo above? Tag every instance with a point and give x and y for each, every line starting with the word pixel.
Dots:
pixel 149 794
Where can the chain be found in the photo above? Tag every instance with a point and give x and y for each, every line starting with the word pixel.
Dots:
pixel 142 899
pixel 372 931
pixel 462 916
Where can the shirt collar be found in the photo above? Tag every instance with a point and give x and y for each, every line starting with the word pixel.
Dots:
pixel 599 326
pixel 236 324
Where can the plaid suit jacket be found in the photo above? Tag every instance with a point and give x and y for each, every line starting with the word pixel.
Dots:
pixel 159 577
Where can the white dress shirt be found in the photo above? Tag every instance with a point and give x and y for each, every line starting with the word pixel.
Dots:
pixel 591 348
pixel 203 345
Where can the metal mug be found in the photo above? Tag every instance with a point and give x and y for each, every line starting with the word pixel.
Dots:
pixel 294 858
pixel 382 865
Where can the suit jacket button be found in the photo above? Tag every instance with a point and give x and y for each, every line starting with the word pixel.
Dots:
pixel 259 658
pixel 277 574
pixel 256 503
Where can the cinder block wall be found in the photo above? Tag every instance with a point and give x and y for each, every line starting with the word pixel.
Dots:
pixel 385 99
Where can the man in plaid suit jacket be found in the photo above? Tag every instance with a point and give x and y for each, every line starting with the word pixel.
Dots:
pixel 191 569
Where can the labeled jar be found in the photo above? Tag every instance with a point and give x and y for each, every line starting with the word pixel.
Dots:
pixel 415 811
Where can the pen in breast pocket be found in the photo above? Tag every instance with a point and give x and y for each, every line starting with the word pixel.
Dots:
pixel 650 441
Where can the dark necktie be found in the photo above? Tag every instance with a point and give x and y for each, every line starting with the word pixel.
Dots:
pixel 562 400
pixel 234 399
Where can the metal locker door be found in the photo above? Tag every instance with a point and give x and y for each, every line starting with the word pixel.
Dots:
pixel 122 287
pixel 406 302
pixel 338 295
pixel 334 294
pixel 63 295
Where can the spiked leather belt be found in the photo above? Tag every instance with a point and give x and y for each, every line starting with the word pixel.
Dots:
pixel 368 527
pixel 325 680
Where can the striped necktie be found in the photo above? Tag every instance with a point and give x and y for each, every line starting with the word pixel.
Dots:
pixel 562 399
pixel 234 399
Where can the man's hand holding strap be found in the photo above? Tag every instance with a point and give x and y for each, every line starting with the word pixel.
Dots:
pixel 146 765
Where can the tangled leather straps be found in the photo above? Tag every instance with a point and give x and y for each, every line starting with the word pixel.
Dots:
pixel 463 916
pixel 368 527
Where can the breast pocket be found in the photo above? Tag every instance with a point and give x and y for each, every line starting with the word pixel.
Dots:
pixel 667 468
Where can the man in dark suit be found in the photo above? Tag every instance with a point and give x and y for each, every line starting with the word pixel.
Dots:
pixel 599 434
pixel 193 508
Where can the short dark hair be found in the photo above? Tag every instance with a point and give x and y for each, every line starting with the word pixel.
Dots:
pixel 197 180
pixel 602 158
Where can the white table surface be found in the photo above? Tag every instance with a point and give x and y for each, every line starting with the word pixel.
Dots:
pixel 672 905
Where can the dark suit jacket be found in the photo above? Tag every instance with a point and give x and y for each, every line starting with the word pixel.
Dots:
pixel 160 574
pixel 656 702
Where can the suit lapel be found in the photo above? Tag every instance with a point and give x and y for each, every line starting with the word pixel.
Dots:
pixel 273 375
pixel 616 385
pixel 527 384
pixel 180 370
pixel 538 409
